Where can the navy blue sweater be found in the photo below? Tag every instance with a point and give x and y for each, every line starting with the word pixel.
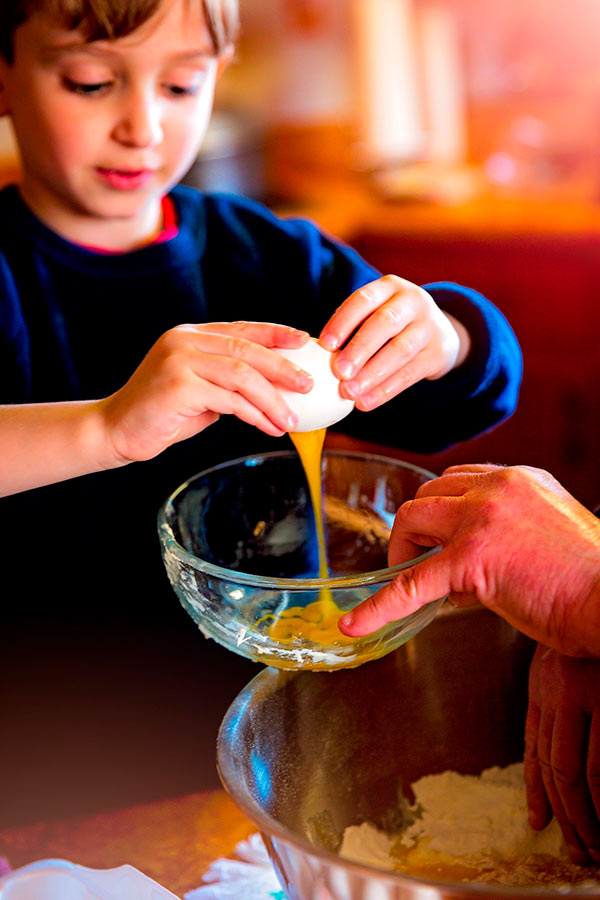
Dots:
pixel 74 324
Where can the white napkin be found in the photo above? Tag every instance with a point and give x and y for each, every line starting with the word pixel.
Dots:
pixel 250 877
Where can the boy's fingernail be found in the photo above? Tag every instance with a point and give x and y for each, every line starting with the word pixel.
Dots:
pixel 291 422
pixel 304 381
pixel 352 389
pixel 347 619
pixel 329 341
pixel 345 368
pixel 367 402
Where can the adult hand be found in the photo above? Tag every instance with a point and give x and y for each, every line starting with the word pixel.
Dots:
pixel 562 749
pixel 512 539
pixel 402 337
pixel 194 373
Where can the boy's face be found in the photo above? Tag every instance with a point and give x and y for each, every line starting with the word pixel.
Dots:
pixel 106 128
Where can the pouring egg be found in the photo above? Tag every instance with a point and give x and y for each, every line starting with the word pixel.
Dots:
pixel 323 405
pixel 318 409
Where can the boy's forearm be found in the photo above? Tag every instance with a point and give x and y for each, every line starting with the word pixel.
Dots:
pixel 48 442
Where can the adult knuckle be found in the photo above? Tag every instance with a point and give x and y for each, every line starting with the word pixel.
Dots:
pixel 566 782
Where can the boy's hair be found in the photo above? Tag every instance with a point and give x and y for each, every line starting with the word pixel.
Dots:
pixel 109 19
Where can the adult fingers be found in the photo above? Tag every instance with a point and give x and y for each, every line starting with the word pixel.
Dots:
pixel 472 467
pixel 577 850
pixel 569 752
pixel 412 588
pixel 540 811
pixel 454 483
pixel 427 521
pixel 593 763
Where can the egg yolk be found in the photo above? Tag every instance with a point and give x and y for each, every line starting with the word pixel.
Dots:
pixel 316 622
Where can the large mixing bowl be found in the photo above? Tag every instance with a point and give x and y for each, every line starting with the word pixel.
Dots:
pixel 307 754
pixel 240 549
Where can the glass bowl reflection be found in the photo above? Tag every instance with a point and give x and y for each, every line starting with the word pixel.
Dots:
pixel 239 546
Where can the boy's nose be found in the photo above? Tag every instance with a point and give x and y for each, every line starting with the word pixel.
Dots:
pixel 139 123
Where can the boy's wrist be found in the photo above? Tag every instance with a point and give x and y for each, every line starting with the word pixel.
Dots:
pixel 98 438
pixel 464 340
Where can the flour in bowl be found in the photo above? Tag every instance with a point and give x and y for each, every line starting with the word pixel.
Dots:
pixel 470 828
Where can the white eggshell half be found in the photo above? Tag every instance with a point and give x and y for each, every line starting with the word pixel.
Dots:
pixel 323 405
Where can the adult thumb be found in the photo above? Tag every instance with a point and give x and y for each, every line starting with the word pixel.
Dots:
pixel 412 588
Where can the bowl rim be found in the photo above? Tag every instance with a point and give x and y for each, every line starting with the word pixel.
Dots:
pixel 377 576
pixel 267 823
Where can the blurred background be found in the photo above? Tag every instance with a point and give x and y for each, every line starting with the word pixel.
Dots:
pixel 445 139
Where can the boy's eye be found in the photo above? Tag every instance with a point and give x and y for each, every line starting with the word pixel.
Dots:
pixel 86 88
pixel 180 90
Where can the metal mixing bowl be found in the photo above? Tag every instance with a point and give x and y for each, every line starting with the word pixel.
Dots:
pixel 306 754
pixel 240 549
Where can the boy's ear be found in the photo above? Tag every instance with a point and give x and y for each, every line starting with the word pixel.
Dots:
pixel 225 58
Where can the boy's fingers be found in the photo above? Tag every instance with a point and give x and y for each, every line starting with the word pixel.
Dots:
pixel 409 374
pixel 378 360
pixel 410 590
pixel 244 380
pixel 355 309
pixel 269 334
pixel 230 402
pixel 391 323
pixel 271 365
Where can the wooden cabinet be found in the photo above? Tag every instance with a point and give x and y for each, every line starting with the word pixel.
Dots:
pixel 547 285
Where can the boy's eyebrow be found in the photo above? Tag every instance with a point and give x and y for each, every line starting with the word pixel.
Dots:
pixel 53 52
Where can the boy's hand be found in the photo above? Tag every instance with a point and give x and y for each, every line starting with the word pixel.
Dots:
pixel 192 374
pixel 402 337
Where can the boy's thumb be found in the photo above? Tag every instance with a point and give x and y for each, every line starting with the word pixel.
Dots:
pixel 409 591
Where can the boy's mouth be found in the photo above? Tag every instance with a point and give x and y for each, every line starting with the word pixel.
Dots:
pixel 125 179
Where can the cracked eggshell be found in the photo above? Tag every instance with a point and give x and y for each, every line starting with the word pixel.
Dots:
pixel 323 405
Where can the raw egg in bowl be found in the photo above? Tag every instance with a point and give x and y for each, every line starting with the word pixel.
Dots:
pixel 239 543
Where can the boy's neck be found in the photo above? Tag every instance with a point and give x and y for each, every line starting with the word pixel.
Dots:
pixel 116 233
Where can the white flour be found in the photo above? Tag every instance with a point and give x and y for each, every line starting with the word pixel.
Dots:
pixel 470 828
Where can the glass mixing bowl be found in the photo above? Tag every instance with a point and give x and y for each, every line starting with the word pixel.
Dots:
pixel 240 549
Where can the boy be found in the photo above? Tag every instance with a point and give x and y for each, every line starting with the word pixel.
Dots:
pixel 101 260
